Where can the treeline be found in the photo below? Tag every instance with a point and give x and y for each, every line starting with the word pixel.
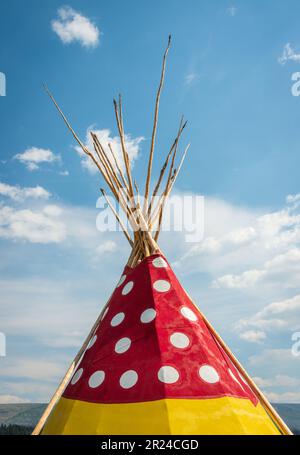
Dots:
pixel 15 429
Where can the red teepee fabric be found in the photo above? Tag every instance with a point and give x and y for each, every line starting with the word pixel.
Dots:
pixel 152 343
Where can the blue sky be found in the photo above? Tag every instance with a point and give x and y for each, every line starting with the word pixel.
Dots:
pixel 225 74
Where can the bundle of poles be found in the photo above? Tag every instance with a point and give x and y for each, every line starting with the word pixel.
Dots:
pixel 144 213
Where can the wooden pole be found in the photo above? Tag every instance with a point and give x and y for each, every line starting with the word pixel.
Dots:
pixel 273 414
pixel 163 169
pixel 59 391
pixel 117 163
pixel 117 217
pixel 123 147
pixel 148 178
pixel 163 197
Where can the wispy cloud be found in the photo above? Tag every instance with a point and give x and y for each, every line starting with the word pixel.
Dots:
pixel 285 263
pixel 288 384
pixel 190 78
pixel 105 137
pixel 106 247
pixel 275 239
pixel 71 26
pixel 253 336
pixel 17 193
pixel 34 156
pixel 288 54
pixel 285 397
pixel 293 199
pixel 279 380
pixel 64 173
pixel 35 226
pixel 279 316
pixel 232 10
pixel 274 361
pixel 31 368
pixel 12 399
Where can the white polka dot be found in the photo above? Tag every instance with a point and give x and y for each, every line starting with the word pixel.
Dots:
pixel 104 313
pixel 168 375
pixel 96 379
pixel 121 281
pixel 117 319
pixel 128 379
pixel 127 288
pixel 188 314
pixel 208 374
pixel 234 378
pixel 159 263
pixel 179 340
pixel 161 285
pixel 122 345
pixel 77 376
pixel 148 315
pixel 92 342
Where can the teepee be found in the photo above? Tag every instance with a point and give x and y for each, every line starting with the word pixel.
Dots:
pixel 152 363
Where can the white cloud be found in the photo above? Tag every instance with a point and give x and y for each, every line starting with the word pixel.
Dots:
pixel 286 397
pixel 104 136
pixel 281 315
pixel 288 262
pixel 38 226
pixel 256 250
pixel 17 193
pixel 232 11
pixel 12 399
pixel 280 380
pixel 106 247
pixel 64 173
pixel 31 368
pixel 244 280
pixel 34 156
pixel 293 199
pixel 40 391
pixel 71 26
pixel 270 244
pixel 288 54
pixel 52 210
pixel 253 336
pixel 190 78
pixel 52 316
pixel 223 225
pixel 277 359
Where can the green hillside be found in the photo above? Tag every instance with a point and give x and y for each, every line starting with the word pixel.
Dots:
pixel 26 414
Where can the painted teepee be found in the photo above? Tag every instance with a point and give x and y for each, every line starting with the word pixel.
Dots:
pixel 152 363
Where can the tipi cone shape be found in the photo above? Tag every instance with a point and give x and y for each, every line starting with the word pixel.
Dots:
pixel 152 363
pixel 153 367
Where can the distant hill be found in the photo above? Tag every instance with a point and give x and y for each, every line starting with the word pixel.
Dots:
pixel 26 414
pixel 290 414
pixel 21 418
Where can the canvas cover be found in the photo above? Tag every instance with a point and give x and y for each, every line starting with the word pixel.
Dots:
pixel 154 367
